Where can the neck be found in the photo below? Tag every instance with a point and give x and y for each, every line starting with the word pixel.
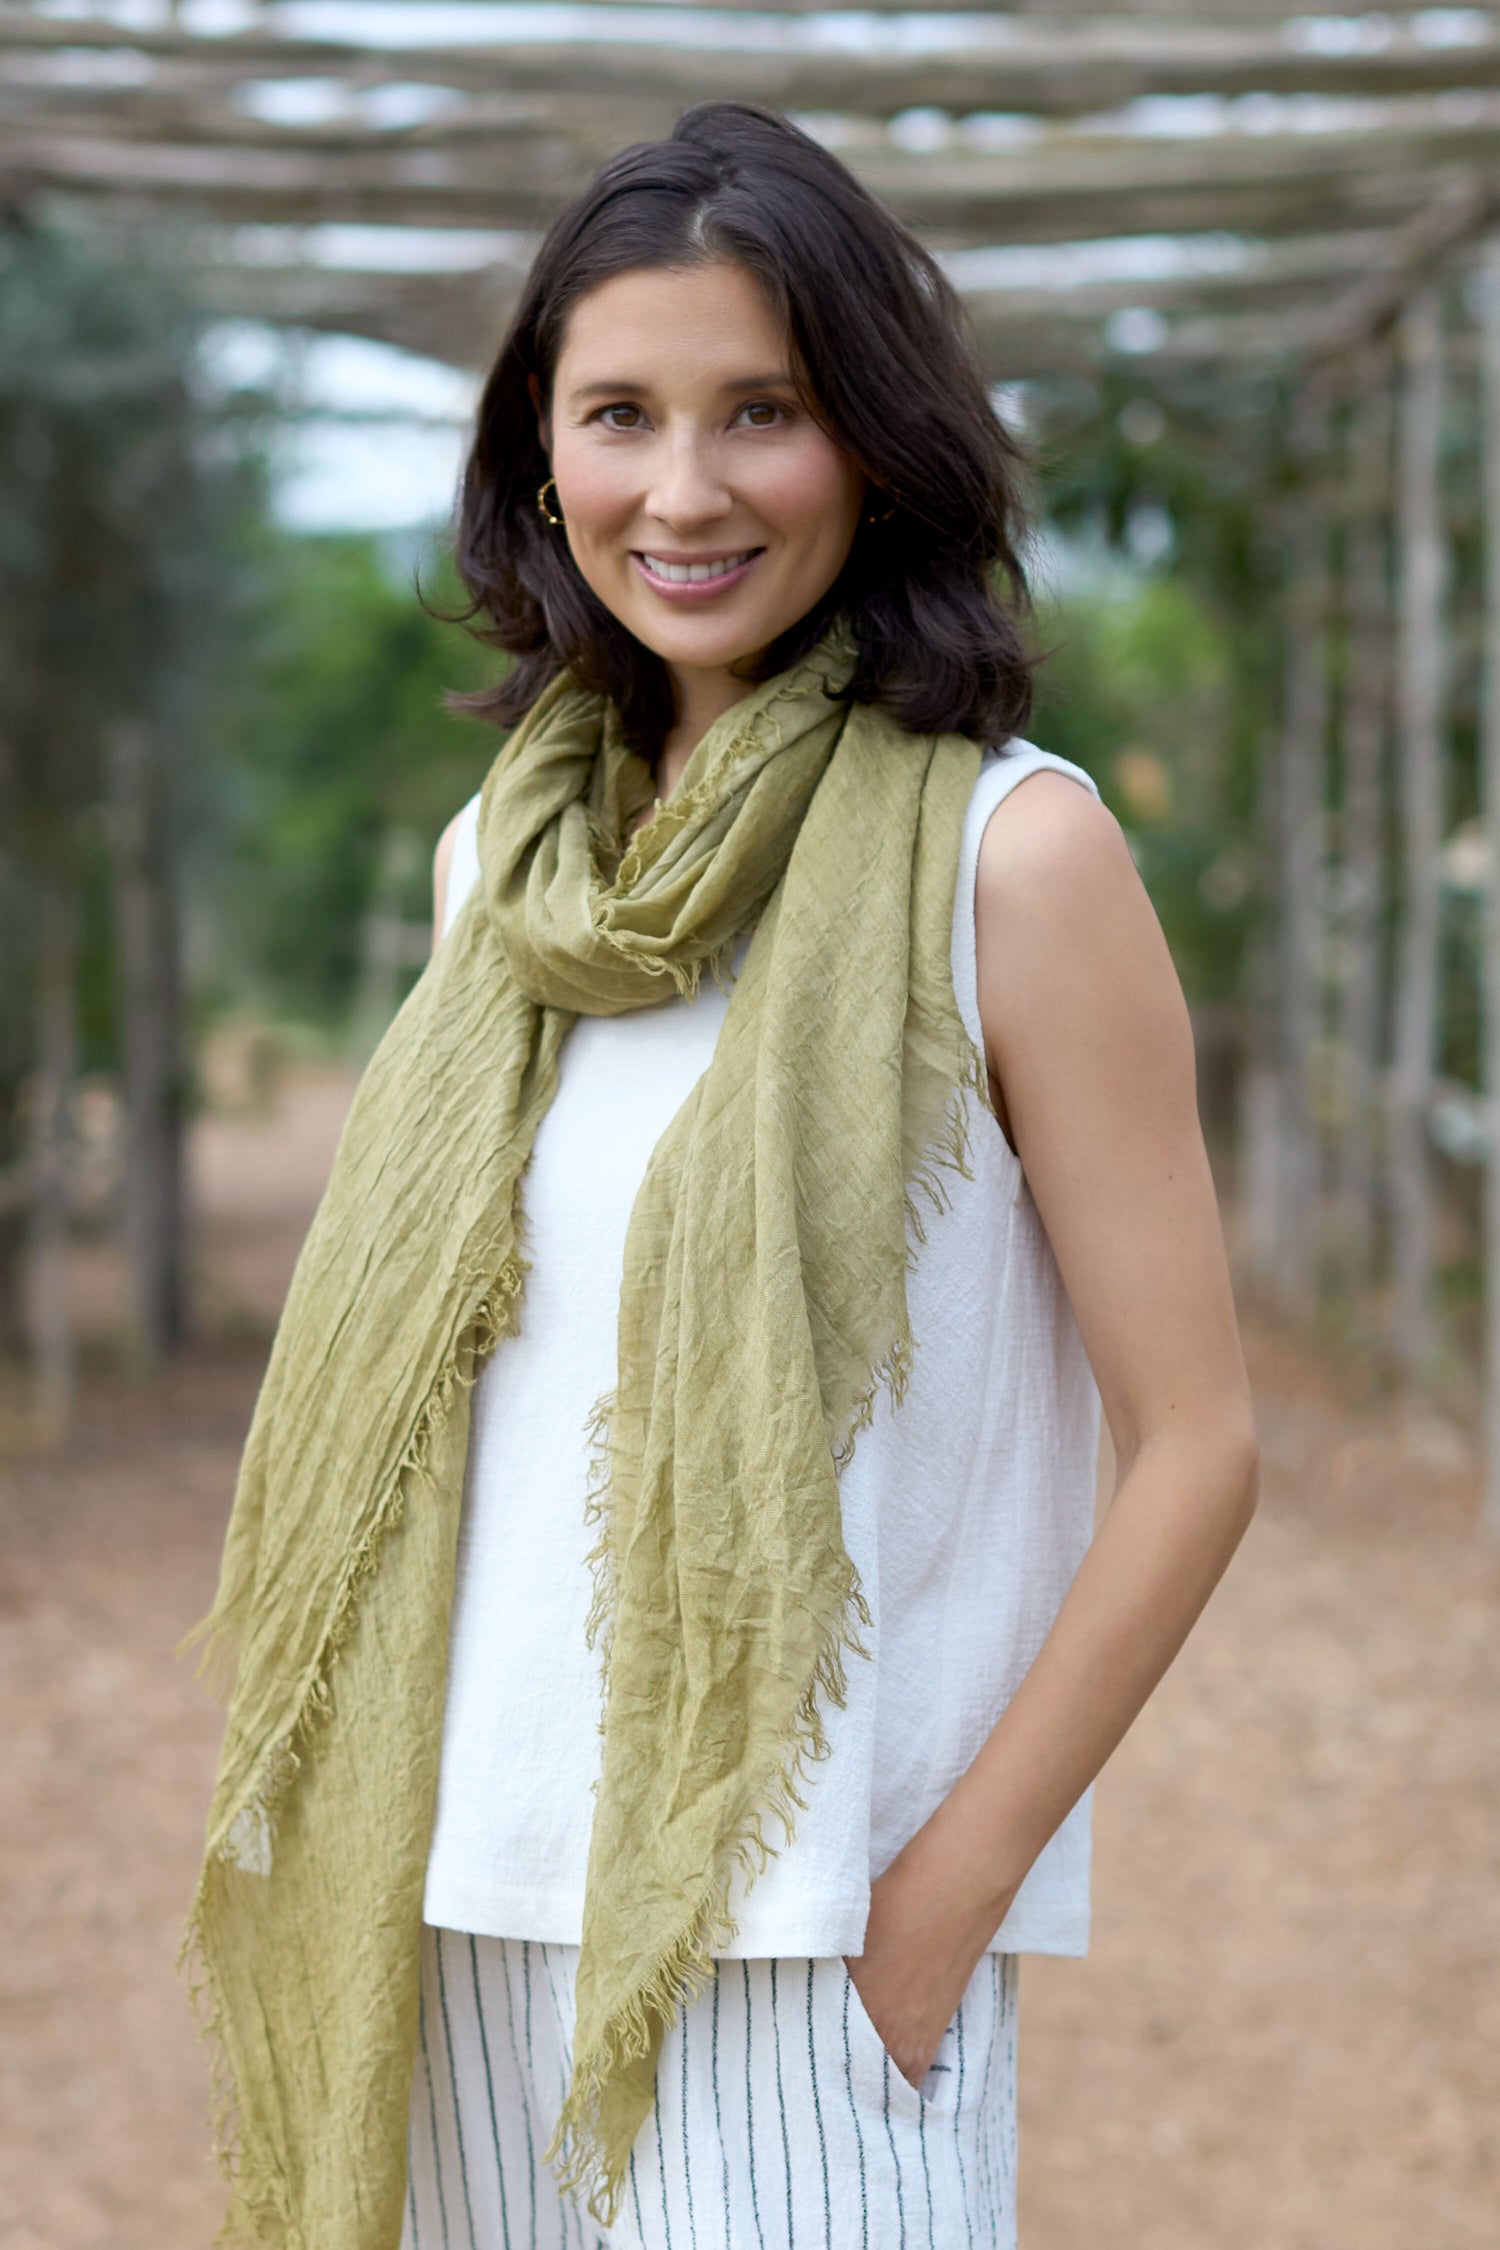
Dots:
pixel 702 697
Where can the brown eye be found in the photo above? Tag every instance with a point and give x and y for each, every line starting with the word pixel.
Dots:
pixel 767 408
pixel 622 406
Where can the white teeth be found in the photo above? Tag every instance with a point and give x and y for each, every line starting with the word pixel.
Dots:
pixel 685 574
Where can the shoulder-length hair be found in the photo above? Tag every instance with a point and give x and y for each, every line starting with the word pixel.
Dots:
pixel 880 348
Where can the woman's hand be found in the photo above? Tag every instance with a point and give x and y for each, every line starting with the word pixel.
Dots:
pixel 930 1920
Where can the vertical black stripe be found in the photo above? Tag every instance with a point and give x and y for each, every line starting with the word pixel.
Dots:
pixel 411 2192
pixel 812 2071
pixel 859 2138
pixel 984 2124
pixel 1012 1969
pixel 661 2157
pixel 566 2206
pixel 926 2175
pixel 458 2114
pixel 999 2219
pixel 640 2224
pixel 958 2125
pixel 687 2175
pixel 890 2136
pixel 489 2088
pixel 521 2081
pixel 530 2046
pixel 718 2120
pixel 437 2155
pixel 750 2113
pixel 1005 2119
pixel 786 2146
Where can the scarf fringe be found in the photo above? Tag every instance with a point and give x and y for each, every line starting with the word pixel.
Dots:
pixel 951 1150
pixel 688 1966
pixel 244 1839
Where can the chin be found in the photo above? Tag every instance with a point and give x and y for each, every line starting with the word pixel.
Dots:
pixel 714 647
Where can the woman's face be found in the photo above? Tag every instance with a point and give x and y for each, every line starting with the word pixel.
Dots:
pixel 702 503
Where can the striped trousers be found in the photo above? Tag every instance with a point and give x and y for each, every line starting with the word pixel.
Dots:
pixel 780 2121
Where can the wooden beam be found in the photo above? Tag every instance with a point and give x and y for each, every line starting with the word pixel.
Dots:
pixel 1459 209
pixel 148 121
pixel 460 318
pixel 1059 190
pixel 1058 64
pixel 1020 65
pixel 1076 14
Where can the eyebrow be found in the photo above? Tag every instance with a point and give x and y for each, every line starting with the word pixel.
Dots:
pixel 780 380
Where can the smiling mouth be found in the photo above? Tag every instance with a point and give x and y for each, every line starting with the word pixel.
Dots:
pixel 697 573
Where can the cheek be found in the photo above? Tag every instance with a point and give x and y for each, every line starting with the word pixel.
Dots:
pixel 596 488
pixel 810 488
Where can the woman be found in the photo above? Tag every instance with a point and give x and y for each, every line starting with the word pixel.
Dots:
pixel 830 1260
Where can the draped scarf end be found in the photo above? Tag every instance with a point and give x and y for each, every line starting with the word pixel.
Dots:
pixel 598 2146
pixel 598 2149
pixel 241 1833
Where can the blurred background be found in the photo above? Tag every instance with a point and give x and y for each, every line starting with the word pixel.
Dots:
pixel 1236 276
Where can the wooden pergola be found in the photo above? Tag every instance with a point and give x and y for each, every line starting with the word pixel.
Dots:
pixel 1340 166
pixel 1311 190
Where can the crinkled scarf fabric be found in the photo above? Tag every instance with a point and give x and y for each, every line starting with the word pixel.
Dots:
pixel 763 1306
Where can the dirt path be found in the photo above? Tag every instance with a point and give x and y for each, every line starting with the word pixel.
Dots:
pixel 1287 2036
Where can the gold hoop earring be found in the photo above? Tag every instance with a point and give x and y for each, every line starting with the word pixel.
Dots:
pixel 541 500
pixel 871 517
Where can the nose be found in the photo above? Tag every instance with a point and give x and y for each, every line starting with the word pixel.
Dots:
pixel 687 487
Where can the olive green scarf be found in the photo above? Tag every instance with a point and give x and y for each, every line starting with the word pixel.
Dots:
pixel 762 1308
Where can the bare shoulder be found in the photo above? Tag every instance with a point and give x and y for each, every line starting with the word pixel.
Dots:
pixel 1048 828
pixel 1056 882
pixel 1089 1043
pixel 1078 995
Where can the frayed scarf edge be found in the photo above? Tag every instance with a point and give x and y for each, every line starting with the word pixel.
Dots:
pixel 259 2192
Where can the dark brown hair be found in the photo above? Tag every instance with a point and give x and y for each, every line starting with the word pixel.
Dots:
pixel 880 348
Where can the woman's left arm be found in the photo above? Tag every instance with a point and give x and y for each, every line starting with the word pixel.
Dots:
pixel 1087 1033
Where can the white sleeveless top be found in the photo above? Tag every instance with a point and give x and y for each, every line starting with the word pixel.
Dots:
pixel 966 1511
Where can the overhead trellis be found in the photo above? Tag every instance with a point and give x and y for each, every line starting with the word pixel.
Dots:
pixel 1327 159
pixel 1181 184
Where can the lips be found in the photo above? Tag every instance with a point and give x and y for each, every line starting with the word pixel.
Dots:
pixel 697 573
pixel 694 578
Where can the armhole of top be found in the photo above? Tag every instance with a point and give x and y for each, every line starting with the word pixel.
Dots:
pixel 999 772
pixel 463 864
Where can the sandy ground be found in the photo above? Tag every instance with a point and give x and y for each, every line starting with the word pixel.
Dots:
pixel 1286 2037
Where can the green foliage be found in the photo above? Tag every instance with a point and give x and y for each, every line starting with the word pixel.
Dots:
pixel 1136 691
pixel 119 519
pixel 125 489
pixel 1175 660
pixel 336 741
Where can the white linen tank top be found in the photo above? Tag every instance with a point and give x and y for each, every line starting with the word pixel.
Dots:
pixel 966 1511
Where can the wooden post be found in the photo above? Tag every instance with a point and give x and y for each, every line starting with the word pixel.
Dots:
pixel 1258 1106
pixel 1302 832
pixel 151 1036
pixel 1362 734
pixel 54 1359
pixel 1489 785
pixel 1420 685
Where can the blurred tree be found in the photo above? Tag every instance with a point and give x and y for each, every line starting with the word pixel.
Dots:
pixel 342 766
pixel 118 580
pixel 1137 692
pixel 1176 472
pixel 1171 475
